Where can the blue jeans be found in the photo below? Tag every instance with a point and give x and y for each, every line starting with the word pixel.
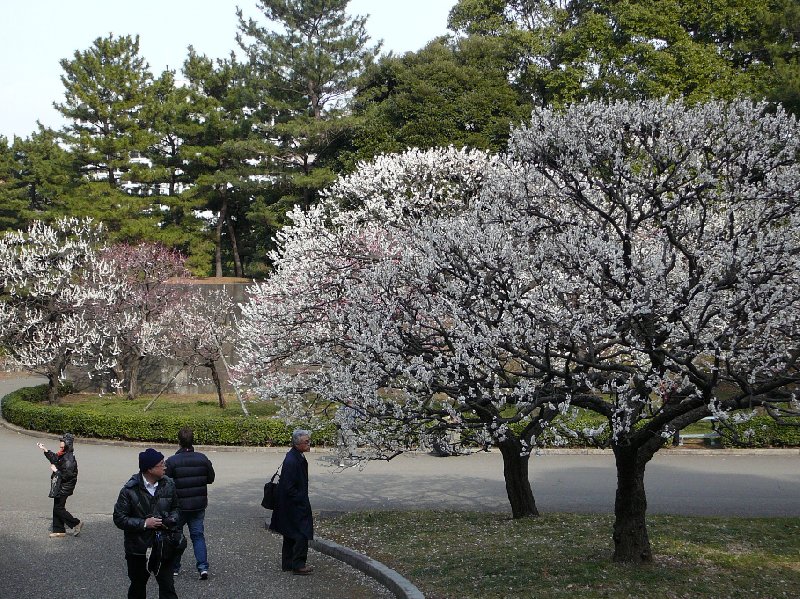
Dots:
pixel 195 522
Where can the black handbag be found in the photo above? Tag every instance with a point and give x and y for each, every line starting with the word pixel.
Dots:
pixel 55 484
pixel 168 545
pixel 270 492
pixel 173 543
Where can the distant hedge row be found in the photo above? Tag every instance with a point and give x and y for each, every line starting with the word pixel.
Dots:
pixel 759 432
pixel 762 431
pixel 25 408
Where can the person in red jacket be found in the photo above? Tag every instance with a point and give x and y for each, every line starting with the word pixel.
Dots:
pixel 64 466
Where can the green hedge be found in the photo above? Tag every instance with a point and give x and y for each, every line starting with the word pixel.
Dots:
pixel 24 408
pixel 27 408
pixel 584 421
pixel 765 433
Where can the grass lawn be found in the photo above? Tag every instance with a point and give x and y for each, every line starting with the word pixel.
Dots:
pixel 194 405
pixel 464 555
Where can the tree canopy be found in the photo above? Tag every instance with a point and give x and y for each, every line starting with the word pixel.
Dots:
pixel 637 260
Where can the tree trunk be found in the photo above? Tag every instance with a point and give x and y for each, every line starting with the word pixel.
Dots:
pixel 53 377
pixel 218 236
pixel 119 374
pixel 217 383
pixel 52 387
pixel 631 543
pixel 237 261
pixel 518 487
pixel 133 384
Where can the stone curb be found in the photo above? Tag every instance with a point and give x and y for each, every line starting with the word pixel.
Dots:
pixel 397 584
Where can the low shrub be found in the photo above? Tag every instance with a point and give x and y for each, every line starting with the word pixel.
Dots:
pixel 761 431
pixel 25 408
pixel 28 408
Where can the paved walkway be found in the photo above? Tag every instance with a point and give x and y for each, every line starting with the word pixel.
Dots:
pixel 244 557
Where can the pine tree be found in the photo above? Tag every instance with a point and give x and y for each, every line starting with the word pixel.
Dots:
pixel 35 176
pixel 105 89
pixel 308 58
pixel 223 151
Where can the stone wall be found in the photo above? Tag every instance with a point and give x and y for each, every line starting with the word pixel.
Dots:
pixel 155 373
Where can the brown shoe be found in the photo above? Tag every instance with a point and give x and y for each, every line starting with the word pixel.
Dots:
pixel 77 530
pixel 57 535
pixel 304 571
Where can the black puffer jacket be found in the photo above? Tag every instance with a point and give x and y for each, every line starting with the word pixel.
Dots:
pixel 134 505
pixel 192 472
pixel 67 466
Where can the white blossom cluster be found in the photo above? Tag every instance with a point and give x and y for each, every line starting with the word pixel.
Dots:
pixel 636 259
pixel 51 281
pixel 134 315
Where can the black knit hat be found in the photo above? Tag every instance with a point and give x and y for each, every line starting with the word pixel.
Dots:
pixel 149 458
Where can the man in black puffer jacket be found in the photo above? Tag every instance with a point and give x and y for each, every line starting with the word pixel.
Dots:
pixel 147 505
pixel 192 472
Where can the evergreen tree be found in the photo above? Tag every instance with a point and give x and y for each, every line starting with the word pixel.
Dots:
pixel 568 50
pixel 13 202
pixel 106 88
pixel 452 92
pixel 35 176
pixel 223 151
pixel 171 118
pixel 308 58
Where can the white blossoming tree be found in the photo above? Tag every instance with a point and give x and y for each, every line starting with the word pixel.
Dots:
pixel 135 313
pixel 365 311
pixel 198 331
pixel 51 280
pixel 636 260
pixel 670 276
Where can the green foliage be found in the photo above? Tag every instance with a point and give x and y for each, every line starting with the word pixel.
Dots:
pixel 305 62
pixel 13 200
pixel 761 431
pixel 606 49
pixel 105 90
pixel 116 418
pixel 35 175
pixel 222 153
pixel 452 92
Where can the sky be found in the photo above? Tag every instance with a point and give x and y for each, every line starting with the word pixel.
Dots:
pixel 36 34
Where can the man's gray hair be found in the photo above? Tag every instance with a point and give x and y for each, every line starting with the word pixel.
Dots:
pixel 299 434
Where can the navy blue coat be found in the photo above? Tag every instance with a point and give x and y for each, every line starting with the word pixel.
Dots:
pixel 192 472
pixel 292 514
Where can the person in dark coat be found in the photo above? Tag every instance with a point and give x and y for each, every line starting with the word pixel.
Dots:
pixel 147 505
pixel 192 472
pixel 64 465
pixel 292 516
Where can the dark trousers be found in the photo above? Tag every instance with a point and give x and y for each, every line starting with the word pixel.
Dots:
pixel 294 553
pixel 139 575
pixel 61 517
